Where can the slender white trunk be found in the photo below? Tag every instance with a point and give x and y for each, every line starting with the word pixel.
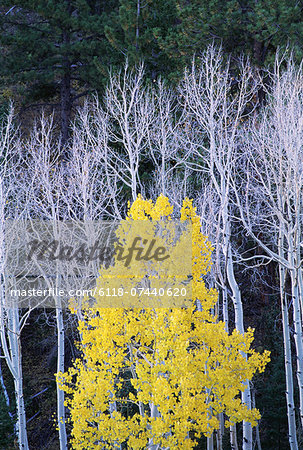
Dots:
pixel 134 186
pixel 220 432
pixel 232 428
pixel 21 422
pixel 300 281
pixel 153 413
pixel 163 190
pixel 292 432
pixel 16 363
pixel 294 240
pixel 298 335
pixel 236 294
pixel 225 308
pixel 239 321
pixel 210 442
pixel 233 437
pixel 60 368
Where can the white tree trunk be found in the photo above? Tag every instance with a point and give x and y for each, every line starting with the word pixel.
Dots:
pixel 239 322
pixel 153 413
pixel 233 437
pixel 220 432
pixel 298 335
pixel 210 442
pixel 60 368
pixel 16 364
pixel 292 431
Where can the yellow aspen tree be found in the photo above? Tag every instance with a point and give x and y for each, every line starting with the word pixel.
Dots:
pixel 158 378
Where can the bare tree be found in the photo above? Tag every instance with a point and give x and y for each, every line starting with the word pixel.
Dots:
pixel 215 111
pixel 271 200
pixel 167 146
pixel 91 189
pixel 128 114
pixel 12 207
pixel 42 167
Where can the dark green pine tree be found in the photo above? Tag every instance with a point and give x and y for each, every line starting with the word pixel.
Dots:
pixel 135 32
pixel 198 24
pixel 56 49
pixel 273 24
pixel 253 27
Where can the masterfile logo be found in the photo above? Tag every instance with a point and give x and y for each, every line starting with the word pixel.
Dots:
pixel 99 264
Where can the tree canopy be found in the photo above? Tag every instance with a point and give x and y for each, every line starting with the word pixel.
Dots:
pixel 159 376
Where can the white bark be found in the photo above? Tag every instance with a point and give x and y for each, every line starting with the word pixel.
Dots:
pixel 60 368
pixel 292 429
pixel 273 201
pixel 233 437
pixel 291 415
pixel 216 115
pixel 128 115
pixel 210 442
pixel 166 145
pixel 42 168
pixel 11 323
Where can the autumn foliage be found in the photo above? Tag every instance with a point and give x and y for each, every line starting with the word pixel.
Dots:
pixel 159 376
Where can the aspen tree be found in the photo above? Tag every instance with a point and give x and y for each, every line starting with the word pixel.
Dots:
pixel 181 367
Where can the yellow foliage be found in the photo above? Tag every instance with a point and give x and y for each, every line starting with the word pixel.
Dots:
pixel 159 375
